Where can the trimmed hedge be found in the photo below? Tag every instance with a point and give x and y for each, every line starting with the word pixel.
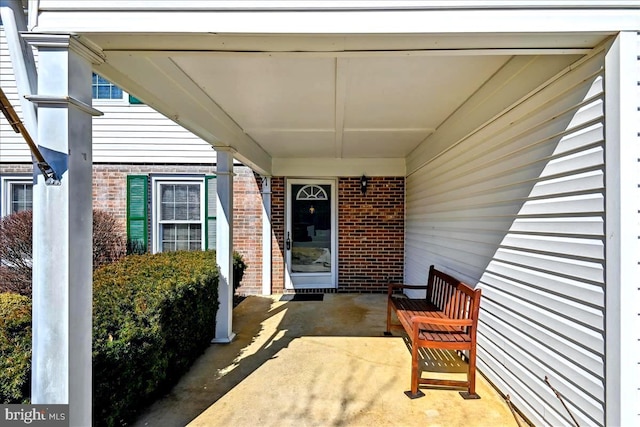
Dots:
pixel 153 316
pixel 15 348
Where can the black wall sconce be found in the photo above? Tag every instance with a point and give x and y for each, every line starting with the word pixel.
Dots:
pixel 364 182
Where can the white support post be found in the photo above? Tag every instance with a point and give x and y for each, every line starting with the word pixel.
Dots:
pixel 266 235
pixel 224 245
pixel 62 229
pixel 622 207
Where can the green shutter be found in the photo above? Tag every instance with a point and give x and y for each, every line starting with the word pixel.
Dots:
pixel 134 100
pixel 210 191
pixel 137 213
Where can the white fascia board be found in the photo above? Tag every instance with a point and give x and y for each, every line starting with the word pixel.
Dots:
pixel 316 167
pixel 330 4
pixel 481 21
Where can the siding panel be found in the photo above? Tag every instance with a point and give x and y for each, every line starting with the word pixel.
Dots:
pixel 517 208
pixel 13 147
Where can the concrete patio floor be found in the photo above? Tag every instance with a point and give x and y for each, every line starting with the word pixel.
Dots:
pixel 318 363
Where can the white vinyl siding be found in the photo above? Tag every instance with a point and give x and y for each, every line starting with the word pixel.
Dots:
pixel 12 148
pixel 516 207
pixel 138 134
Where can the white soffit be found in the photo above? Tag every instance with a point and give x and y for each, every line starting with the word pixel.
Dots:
pixel 306 106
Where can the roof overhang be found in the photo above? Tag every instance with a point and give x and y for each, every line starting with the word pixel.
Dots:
pixel 318 91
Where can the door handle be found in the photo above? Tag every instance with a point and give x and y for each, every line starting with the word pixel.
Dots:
pixel 288 242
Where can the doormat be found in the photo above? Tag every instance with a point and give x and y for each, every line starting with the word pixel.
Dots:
pixel 302 297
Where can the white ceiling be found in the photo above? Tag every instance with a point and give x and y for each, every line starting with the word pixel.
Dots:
pixel 338 107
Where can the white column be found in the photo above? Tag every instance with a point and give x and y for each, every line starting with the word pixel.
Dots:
pixel 622 247
pixel 224 245
pixel 266 235
pixel 62 229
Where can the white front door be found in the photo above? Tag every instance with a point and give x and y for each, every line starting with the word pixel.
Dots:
pixel 311 241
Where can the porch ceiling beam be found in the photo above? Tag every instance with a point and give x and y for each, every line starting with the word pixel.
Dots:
pixel 342 54
pixel 321 167
pixel 347 129
pixel 178 92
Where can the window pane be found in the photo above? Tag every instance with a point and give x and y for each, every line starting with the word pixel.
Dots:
pixel 182 232
pixel 181 237
pixel 181 211
pixel 167 197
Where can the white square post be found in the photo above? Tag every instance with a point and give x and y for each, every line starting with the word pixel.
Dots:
pixel 224 245
pixel 622 246
pixel 266 235
pixel 62 228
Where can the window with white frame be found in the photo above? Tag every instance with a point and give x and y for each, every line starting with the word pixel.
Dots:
pixel 179 214
pixel 17 195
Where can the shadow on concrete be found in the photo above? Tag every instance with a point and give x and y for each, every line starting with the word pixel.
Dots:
pixel 311 363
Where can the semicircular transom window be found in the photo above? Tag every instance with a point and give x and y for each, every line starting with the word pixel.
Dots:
pixel 312 192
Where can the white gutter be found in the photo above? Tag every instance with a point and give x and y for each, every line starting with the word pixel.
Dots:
pixel 14 22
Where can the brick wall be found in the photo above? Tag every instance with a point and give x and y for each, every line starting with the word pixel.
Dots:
pixel 16 168
pixel 277 228
pixel 370 234
pixel 247 227
pixel 110 194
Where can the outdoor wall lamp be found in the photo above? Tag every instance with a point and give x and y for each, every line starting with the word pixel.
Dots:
pixel 364 181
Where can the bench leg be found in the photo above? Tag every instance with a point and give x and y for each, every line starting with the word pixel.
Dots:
pixel 414 393
pixel 388 331
pixel 471 377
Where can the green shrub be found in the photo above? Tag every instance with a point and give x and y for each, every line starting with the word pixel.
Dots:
pixel 239 266
pixel 15 348
pixel 153 316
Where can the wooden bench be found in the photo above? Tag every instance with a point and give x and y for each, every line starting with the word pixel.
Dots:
pixel 446 319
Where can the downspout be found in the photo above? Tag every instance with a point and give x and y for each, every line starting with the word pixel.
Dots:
pixel 14 21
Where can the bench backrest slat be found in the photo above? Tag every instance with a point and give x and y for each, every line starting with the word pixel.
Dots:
pixel 454 298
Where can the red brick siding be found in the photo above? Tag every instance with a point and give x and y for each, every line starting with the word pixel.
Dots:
pixel 16 169
pixel 370 234
pixel 277 225
pixel 247 227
